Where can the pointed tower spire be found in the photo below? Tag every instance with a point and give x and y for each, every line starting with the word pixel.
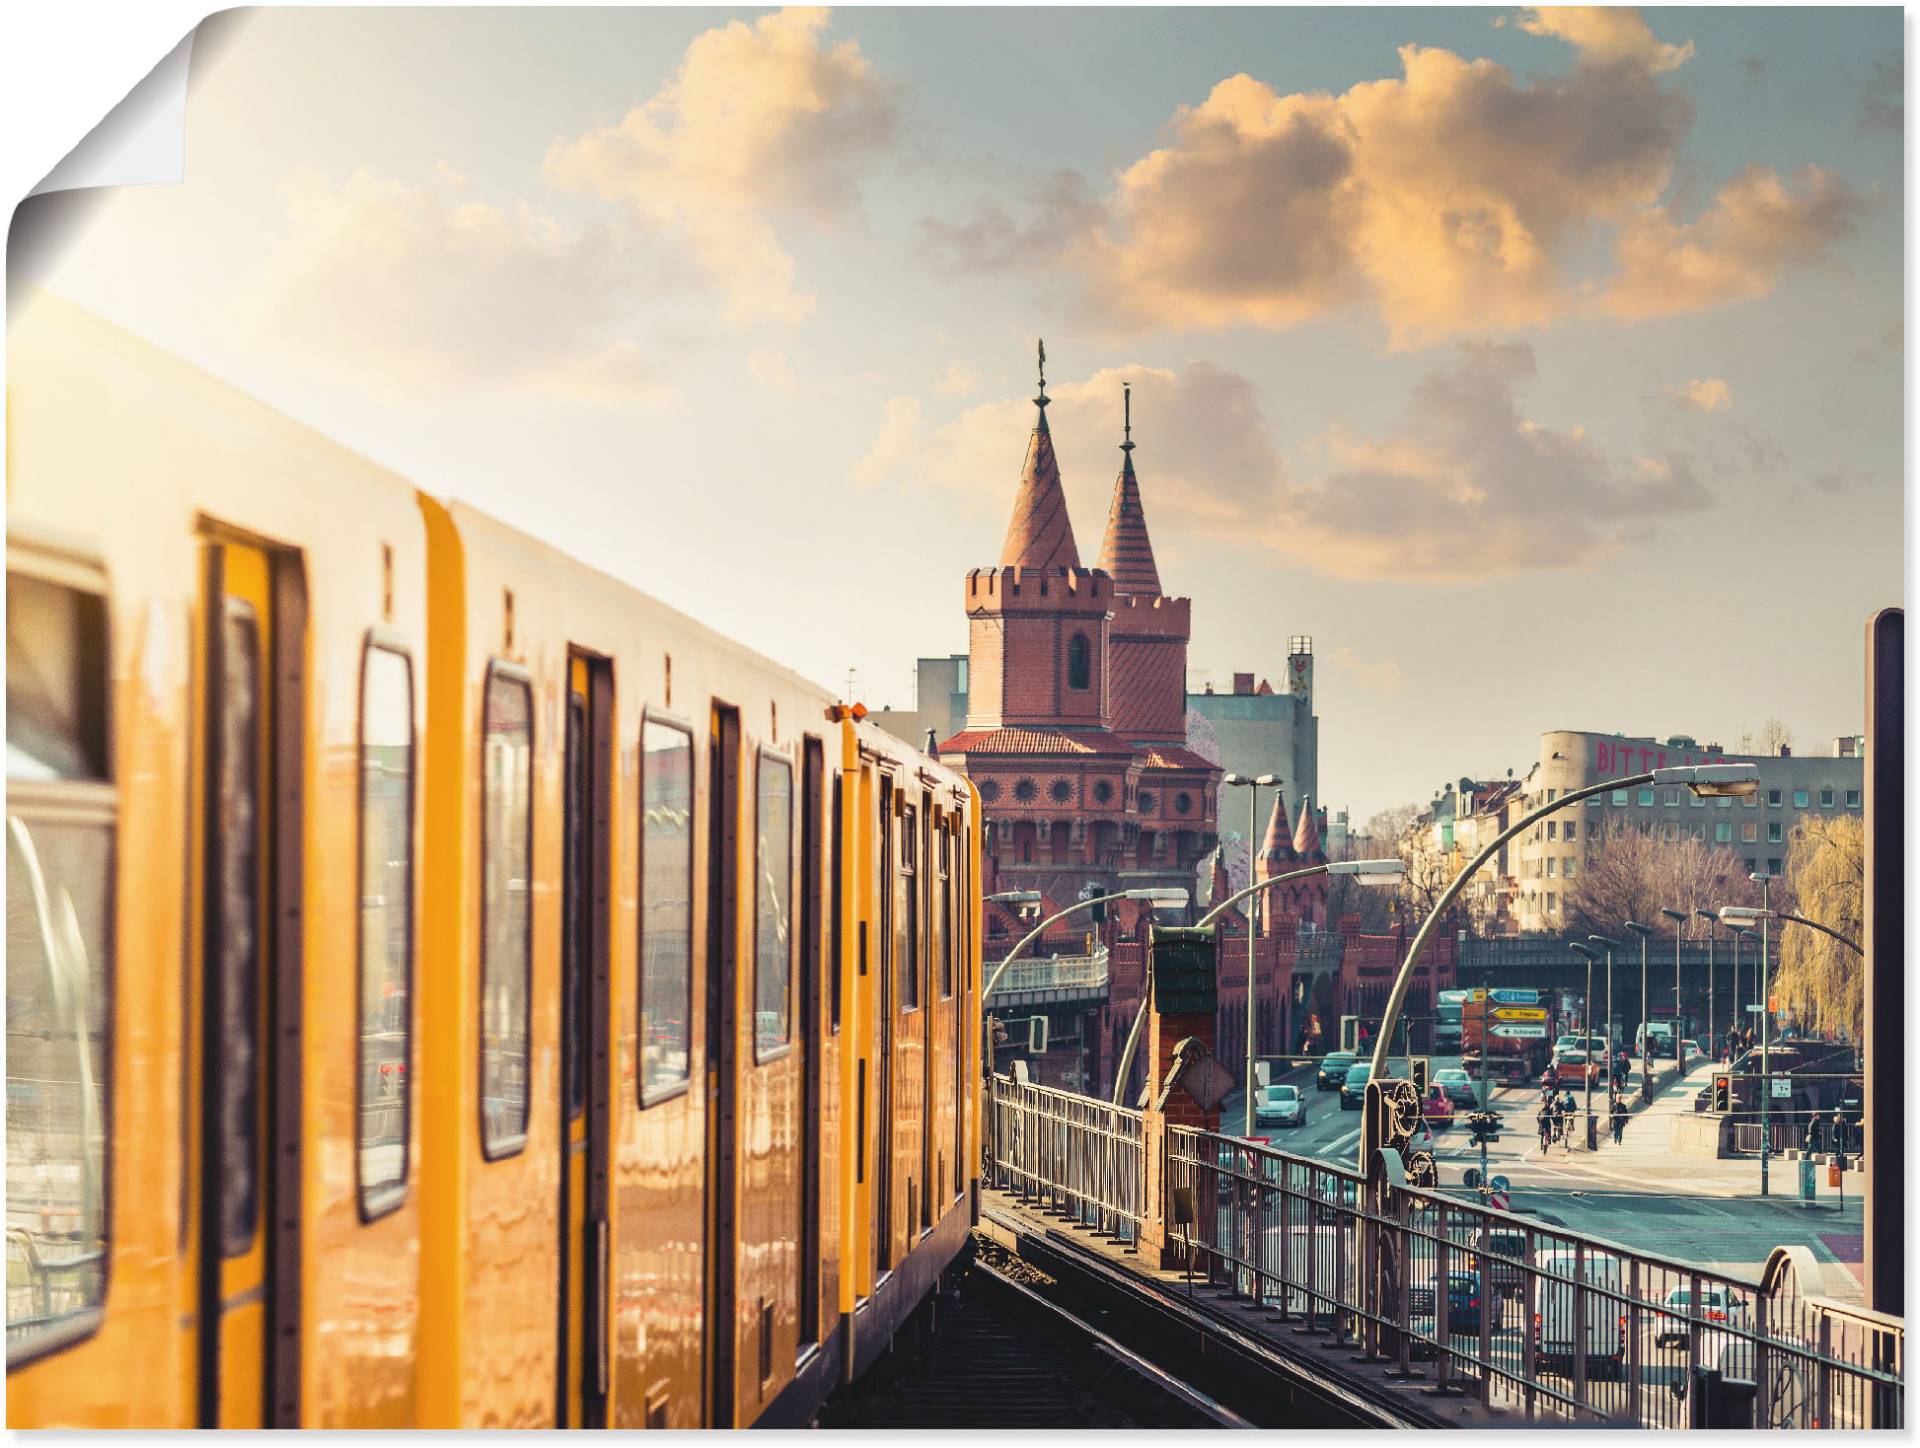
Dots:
pixel 1276 851
pixel 1306 842
pixel 1040 534
pixel 1127 552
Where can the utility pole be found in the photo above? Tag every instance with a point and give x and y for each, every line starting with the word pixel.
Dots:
pixel 1766 1024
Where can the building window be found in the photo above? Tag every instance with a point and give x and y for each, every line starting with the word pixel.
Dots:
pixel 1550 826
pixel 1698 802
pixel 1723 833
pixel 773 906
pixel 1146 801
pixel 1853 799
pixel 1725 801
pixel 1749 833
pixel 1024 790
pixel 1079 663
pixel 1593 801
pixel 1773 798
pixel 1645 798
pixel 666 906
pixel 1799 799
pixel 1183 803
pixel 386 926
pixel 1061 790
pixel 1553 903
pixel 989 790
pixel 1573 830
pixel 1619 796
pixel 1550 796
pixel 1776 832
pixel 1551 861
pixel 1567 867
pixel 506 934
pixel 1673 797
pixel 1753 865
pixel 61 813
pixel 1750 801
pixel 1773 864
pixel 1826 799
pixel 1102 792
pixel 1700 830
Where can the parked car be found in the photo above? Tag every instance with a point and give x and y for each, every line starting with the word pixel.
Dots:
pixel 1554 1341
pixel 1458 1086
pixel 1717 1305
pixel 1280 1105
pixel 1437 1108
pixel 1353 1090
pixel 1692 1049
pixel 1465 1303
pixel 1505 1252
pixel 1333 1069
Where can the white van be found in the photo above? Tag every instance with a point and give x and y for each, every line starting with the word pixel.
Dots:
pixel 1553 1315
pixel 1661 1033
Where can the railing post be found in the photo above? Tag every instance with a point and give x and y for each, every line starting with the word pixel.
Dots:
pixel 1633 1341
pixel 1157 1244
pixel 1579 1305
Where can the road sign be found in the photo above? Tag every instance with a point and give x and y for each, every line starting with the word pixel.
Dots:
pixel 1755 1010
pixel 1773 1004
pixel 1519 1013
pixel 1499 1201
pixel 1470 1177
pixel 1500 1184
pixel 1514 997
pixel 1521 1032
pixel 1782 1086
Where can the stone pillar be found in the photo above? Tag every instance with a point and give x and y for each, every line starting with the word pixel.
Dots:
pixel 1161 1241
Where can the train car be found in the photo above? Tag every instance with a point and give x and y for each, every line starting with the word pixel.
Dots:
pixel 640 1087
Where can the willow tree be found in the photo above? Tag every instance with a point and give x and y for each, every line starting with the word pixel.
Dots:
pixel 1819 980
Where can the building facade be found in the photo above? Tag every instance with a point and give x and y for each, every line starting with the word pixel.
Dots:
pixel 1264 730
pixel 1758 828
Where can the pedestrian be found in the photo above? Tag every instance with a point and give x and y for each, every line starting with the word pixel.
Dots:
pixel 1619 1119
pixel 1812 1144
pixel 1840 1137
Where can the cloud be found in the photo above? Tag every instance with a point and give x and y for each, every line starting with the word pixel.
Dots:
pixel 1467 487
pixel 1883 98
pixel 1739 249
pixel 1374 676
pixel 959 379
pixel 1450 200
pixel 760 123
pixel 1704 394
pixel 769 367
pixel 432 290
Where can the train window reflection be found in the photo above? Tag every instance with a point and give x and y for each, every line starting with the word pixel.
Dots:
pixel 666 906
pixel 773 905
pixel 233 962
pixel 506 947
pixel 60 840
pixel 908 946
pixel 386 925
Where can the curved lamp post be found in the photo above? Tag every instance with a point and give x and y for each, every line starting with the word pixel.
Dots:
pixel 1586 1034
pixel 1702 779
pixel 1159 897
pixel 1373 872
pixel 1732 914
pixel 1646 1036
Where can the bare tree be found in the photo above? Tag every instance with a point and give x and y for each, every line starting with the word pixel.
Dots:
pixel 1635 872
pixel 1820 980
pixel 1774 737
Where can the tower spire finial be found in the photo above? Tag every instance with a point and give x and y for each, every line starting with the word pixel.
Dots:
pixel 1126 404
pixel 1042 400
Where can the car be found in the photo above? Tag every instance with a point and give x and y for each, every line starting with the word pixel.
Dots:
pixel 1573 1064
pixel 1458 1085
pixel 1692 1048
pixel 1717 1304
pixel 1353 1090
pixel 1437 1108
pixel 1282 1105
pixel 1463 1306
pixel 1333 1069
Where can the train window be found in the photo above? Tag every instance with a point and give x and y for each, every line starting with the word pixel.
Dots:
pixel 666 907
pixel 836 910
pixel 773 906
pixel 506 945
pixel 943 916
pixel 907 950
pixel 234 925
pixel 60 843
pixel 386 926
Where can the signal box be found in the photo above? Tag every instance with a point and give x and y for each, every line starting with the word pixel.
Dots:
pixel 1185 981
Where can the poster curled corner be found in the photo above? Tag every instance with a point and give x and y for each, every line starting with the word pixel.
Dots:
pixel 140 142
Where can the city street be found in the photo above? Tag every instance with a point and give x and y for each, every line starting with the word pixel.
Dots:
pixel 1637 1193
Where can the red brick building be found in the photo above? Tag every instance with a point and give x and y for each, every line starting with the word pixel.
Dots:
pixel 1076 707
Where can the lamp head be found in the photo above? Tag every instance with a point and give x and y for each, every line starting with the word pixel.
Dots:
pixel 1586 950
pixel 1267 781
pixel 1678 917
pixel 1233 779
pixel 1707 915
pixel 1739 915
pixel 1160 896
pixel 1018 897
pixel 1710 781
pixel 1638 929
pixel 1604 942
pixel 1371 872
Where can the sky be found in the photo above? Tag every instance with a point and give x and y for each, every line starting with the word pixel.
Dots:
pixel 1545 366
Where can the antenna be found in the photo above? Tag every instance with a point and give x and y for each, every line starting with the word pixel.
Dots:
pixel 851 671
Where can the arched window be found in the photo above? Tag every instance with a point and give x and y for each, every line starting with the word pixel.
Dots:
pixel 1079 663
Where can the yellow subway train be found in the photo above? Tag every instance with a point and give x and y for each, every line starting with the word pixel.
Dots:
pixel 445 987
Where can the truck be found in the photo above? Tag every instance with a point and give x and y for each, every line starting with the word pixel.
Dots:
pixel 1511 1027
pixel 1446 1021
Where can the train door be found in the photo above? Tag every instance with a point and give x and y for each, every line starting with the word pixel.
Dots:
pixel 722 1063
pixel 581 1392
pixel 243 1201
pixel 883 1045
pixel 812 780
pixel 926 898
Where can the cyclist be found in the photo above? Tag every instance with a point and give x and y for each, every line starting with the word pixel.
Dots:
pixel 1547 1124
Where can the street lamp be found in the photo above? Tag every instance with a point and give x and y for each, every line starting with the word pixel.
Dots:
pixel 1368 872
pixel 1764 879
pixel 1739 1011
pixel 1587 1033
pixel 1253 784
pixel 1646 1017
pixel 1712 920
pixel 1158 897
pixel 1707 780
pixel 1679 918
pixel 1731 913
pixel 1609 946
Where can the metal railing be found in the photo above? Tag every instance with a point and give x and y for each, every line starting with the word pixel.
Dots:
pixel 1054 973
pixel 1526 1317
pixel 1070 1153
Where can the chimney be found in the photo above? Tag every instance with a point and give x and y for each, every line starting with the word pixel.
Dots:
pixel 1243 683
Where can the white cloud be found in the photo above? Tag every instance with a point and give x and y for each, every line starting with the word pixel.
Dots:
pixel 769 367
pixel 959 379
pixel 1704 394
pixel 1374 676
pixel 760 123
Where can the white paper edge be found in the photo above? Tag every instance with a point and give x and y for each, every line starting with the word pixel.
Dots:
pixel 140 142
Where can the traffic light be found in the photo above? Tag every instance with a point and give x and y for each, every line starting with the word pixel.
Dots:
pixel 1723 1093
pixel 1420 1065
pixel 1036 1035
pixel 1350 1033
pixel 1485 1127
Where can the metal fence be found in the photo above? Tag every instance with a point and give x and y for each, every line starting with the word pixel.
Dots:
pixel 1526 1317
pixel 1070 1153
pixel 1060 972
